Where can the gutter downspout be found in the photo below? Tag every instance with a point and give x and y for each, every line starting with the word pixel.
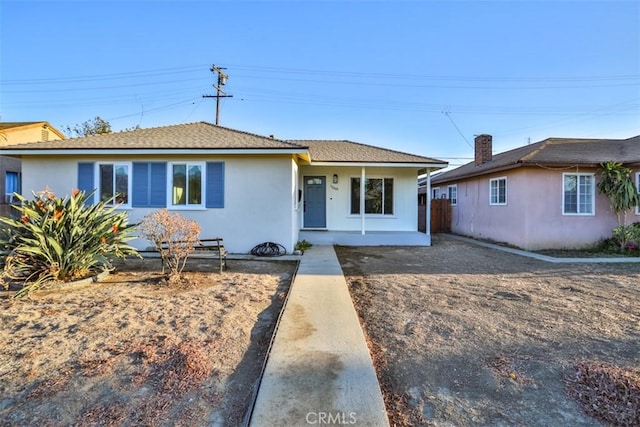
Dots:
pixel 362 176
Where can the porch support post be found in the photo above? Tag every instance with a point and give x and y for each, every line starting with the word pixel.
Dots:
pixel 427 215
pixel 362 177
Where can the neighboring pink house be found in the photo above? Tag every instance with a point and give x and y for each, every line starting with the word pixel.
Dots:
pixel 540 196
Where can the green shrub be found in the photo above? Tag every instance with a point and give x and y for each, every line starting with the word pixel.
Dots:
pixel 61 239
pixel 625 241
pixel 302 246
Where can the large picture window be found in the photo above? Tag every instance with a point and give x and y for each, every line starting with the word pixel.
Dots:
pixel 113 179
pixel 578 191
pixel 186 184
pixel 378 196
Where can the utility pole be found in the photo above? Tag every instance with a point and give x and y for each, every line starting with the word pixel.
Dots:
pixel 222 80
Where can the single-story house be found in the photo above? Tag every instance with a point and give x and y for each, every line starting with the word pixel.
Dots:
pixel 539 196
pixel 246 188
pixel 10 168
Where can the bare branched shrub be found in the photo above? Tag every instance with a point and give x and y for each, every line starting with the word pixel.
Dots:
pixel 607 392
pixel 174 236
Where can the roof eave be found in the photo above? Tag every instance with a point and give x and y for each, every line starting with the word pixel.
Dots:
pixel 438 180
pixel 383 164
pixel 153 151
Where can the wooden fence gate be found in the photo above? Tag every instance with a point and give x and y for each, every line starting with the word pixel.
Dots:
pixel 440 216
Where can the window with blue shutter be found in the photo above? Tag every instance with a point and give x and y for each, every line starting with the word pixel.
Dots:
pixel 215 185
pixel 86 178
pixel 149 185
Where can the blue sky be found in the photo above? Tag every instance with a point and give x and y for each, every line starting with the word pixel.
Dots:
pixel 416 76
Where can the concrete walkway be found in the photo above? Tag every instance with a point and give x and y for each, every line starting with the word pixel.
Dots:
pixel 319 370
pixel 588 260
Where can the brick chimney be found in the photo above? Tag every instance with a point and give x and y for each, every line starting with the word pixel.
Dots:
pixel 483 147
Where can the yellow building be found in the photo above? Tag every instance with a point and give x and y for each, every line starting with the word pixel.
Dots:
pixel 12 133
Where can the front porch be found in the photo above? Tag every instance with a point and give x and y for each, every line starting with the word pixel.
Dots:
pixel 371 238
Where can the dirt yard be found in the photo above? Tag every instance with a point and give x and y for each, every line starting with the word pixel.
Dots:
pixel 134 351
pixel 462 335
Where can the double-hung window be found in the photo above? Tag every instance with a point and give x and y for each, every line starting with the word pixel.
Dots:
pixel 178 185
pixel 378 196
pixel 498 191
pixel 187 184
pixel 578 193
pixel 453 194
pixel 114 184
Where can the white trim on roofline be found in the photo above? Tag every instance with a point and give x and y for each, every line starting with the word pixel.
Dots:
pixel 381 164
pixel 124 151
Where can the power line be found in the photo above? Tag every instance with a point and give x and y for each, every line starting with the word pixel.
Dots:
pixel 446 113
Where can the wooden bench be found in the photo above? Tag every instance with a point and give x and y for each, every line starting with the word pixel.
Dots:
pixel 213 246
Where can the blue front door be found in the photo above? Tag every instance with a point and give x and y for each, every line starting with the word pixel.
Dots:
pixel 315 202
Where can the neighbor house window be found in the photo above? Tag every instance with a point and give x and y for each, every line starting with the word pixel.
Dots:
pixel 435 193
pixel 114 183
pixel 498 191
pixel 11 185
pixel 578 191
pixel 453 194
pixel 186 184
pixel 378 196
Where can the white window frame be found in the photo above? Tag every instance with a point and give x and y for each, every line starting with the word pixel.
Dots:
pixel 498 203
pixel 375 215
pixel 593 193
pixel 454 200
pixel 435 193
pixel 98 195
pixel 203 186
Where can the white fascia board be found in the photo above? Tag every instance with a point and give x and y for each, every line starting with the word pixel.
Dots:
pixel 179 151
pixel 382 165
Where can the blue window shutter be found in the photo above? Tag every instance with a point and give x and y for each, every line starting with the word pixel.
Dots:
pixel 140 193
pixel 149 185
pixel 86 178
pixel 215 185
pixel 158 185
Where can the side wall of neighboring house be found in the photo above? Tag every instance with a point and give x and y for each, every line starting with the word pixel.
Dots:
pixel 532 217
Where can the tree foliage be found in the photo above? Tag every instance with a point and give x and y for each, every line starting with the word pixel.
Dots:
pixel 96 126
pixel 616 182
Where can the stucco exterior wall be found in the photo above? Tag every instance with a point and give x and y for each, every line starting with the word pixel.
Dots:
pixel 339 217
pixel 258 198
pixel 532 218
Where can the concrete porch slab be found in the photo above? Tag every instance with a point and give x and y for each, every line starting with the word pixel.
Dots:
pixel 371 238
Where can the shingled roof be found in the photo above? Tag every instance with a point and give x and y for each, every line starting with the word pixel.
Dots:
pixel 342 151
pixel 200 135
pixel 11 125
pixel 203 136
pixel 553 152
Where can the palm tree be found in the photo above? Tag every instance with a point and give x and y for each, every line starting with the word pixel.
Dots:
pixel 617 184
